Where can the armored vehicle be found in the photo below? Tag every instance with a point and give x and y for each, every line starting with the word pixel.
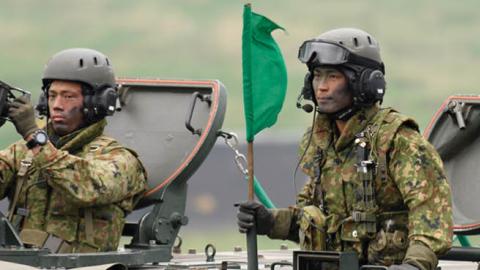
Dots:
pixel 184 119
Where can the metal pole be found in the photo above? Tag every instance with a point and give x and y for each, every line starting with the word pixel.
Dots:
pixel 252 233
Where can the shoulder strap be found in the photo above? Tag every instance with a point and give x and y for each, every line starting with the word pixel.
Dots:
pixel 21 179
pixel 97 145
pixel 390 121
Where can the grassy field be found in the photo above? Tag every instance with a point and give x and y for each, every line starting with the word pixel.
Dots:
pixel 430 48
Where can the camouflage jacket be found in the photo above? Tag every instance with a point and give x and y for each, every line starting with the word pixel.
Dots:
pixel 87 172
pixel 412 193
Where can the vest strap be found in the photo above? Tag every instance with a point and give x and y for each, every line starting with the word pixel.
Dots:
pixel 88 218
pixel 22 177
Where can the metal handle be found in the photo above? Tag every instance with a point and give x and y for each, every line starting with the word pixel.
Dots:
pixel 456 108
pixel 210 251
pixel 188 120
pixel 275 264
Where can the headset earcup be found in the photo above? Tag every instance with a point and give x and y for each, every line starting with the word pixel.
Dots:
pixel 371 87
pixel 376 85
pixel 42 105
pixel 104 101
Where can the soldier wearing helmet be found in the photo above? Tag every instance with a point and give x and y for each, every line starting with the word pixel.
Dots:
pixel 69 185
pixel 376 186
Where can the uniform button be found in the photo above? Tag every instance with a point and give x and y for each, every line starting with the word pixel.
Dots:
pixel 338 161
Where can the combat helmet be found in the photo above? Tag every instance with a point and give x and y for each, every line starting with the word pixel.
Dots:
pixel 93 70
pixel 356 53
pixel 81 65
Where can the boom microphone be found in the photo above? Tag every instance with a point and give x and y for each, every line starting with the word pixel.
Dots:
pixel 307 108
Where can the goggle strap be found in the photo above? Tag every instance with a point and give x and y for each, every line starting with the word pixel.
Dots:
pixel 363 61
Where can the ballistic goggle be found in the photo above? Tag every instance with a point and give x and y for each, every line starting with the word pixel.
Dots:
pixel 317 52
pixel 6 97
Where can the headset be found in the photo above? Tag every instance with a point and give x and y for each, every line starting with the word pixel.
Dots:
pixel 367 85
pixel 97 103
pixel 307 93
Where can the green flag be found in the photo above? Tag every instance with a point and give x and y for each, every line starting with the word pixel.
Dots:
pixel 264 73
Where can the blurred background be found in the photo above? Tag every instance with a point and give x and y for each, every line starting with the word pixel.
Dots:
pixel 430 49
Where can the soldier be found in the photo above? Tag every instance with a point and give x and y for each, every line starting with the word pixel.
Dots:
pixel 376 186
pixel 69 185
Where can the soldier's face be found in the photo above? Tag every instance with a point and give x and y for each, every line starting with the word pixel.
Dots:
pixel 331 90
pixel 65 104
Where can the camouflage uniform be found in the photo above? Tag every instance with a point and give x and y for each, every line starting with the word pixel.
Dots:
pixel 79 192
pixel 412 192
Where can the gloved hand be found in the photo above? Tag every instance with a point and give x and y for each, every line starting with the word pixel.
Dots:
pixel 23 117
pixel 252 213
pixel 420 255
pixel 403 266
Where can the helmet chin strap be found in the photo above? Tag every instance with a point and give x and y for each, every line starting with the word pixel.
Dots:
pixel 343 114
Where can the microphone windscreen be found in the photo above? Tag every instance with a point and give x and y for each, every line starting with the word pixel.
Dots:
pixel 308 108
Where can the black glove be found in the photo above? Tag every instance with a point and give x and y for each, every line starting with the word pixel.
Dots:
pixel 22 114
pixel 251 213
pixel 403 266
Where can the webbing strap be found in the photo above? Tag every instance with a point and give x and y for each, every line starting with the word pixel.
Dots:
pixel 359 216
pixel 89 225
pixel 317 189
pixel 21 178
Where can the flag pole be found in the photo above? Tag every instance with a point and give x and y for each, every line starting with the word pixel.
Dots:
pixel 252 250
pixel 264 88
pixel 250 171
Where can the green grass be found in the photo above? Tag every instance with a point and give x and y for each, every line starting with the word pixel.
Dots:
pixel 430 48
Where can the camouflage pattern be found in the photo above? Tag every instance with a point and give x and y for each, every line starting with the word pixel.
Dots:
pixel 412 192
pixel 87 171
pixel 311 222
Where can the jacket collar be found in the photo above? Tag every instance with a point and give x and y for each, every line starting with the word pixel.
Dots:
pixel 325 128
pixel 76 140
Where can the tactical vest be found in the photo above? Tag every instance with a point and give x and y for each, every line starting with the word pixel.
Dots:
pixel 336 187
pixel 51 221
